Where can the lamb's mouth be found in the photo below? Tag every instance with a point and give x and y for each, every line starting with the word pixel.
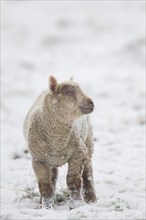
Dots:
pixel 86 110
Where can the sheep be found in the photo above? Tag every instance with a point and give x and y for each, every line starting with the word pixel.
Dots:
pixel 57 129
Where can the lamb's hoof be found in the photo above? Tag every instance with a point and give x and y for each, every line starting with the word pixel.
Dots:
pixel 76 203
pixel 90 198
pixel 47 203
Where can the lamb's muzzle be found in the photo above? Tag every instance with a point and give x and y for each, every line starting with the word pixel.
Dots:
pixel 87 106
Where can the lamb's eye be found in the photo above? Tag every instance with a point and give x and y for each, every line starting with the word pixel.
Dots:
pixel 68 92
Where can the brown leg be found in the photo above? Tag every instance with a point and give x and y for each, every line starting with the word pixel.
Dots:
pixel 44 174
pixel 74 180
pixel 88 185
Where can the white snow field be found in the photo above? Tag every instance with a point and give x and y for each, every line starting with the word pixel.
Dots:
pixel 100 44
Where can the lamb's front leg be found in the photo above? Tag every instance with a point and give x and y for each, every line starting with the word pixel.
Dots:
pixel 44 175
pixel 74 181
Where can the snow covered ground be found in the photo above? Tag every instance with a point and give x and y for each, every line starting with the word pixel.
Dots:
pixel 100 44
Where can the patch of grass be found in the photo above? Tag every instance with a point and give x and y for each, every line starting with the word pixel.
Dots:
pixel 62 195
pixel 29 193
pixel 119 205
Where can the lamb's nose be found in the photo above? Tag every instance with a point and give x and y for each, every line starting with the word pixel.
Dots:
pixel 90 102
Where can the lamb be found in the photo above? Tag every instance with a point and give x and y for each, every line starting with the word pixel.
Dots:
pixel 57 129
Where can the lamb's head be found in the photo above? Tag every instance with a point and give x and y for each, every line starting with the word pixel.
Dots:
pixel 69 100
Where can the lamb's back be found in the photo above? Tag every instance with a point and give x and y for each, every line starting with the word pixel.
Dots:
pixel 36 108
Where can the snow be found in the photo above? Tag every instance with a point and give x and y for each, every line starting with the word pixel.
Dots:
pixel 100 44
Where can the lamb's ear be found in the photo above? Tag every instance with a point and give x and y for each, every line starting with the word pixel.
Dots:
pixel 52 83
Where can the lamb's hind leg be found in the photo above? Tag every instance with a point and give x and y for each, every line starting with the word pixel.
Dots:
pixel 88 185
pixel 54 177
pixel 44 175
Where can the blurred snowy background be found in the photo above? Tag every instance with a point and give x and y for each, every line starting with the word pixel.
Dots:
pixel 100 44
